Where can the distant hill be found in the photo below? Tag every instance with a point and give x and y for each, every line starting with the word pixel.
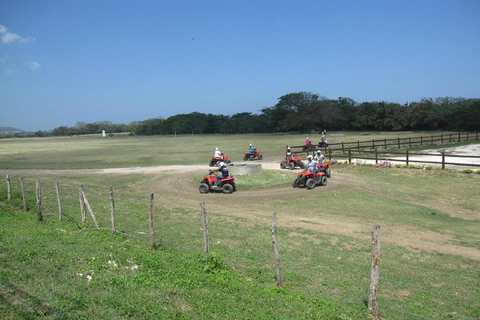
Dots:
pixel 10 130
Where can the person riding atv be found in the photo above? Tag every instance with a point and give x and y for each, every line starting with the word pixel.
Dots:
pixel 291 161
pixel 213 182
pixel 310 177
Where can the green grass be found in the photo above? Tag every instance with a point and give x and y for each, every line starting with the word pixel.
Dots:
pixel 44 268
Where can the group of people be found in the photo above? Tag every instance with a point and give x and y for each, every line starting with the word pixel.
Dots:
pixel 317 159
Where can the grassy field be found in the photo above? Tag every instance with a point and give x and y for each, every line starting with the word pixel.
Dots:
pixel 92 152
pixel 430 267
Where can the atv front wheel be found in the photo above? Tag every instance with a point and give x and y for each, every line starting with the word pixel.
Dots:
pixel 328 173
pixel 204 188
pixel 310 183
pixel 245 157
pixel 252 157
pixel 212 164
pixel 227 188
pixel 291 165
pixel 282 165
pixel 260 157
pixel 301 164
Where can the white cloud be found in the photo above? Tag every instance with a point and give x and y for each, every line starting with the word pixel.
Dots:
pixel 8 37
pixel 33 65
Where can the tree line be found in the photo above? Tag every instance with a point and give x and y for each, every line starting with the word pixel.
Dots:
pixel 305 112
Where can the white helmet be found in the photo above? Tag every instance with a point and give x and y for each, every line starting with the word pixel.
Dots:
pixel 319 151
pixel 221 164
pixel 216 149
pixel 288 148
pixel 251 144
pixel 309 157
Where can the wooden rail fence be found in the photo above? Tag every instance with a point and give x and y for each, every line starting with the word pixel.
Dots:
pixel 408 142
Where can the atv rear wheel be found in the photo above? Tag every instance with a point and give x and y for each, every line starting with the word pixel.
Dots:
pixel 301 164
pixel 228 161
pixel 204 188
pixel 260 157
pixel 212 164
pixel 227 188
pixel 328 173
pixel 252 157
pixel 323 181
pixel 296 183
pixel 245 157
pixel 291 165
pixel 310 183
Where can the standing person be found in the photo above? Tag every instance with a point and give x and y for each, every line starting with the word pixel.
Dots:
pixel 223 169
pixel 288 155
pixel 217 154
pixel 319 157
pixel 250 149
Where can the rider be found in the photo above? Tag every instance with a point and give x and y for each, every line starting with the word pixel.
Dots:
pixel 312 164
pixel 250 149
pixel 288 155
pixel 319 157
pixel 308 143
pixel 217 154
pixel 223 169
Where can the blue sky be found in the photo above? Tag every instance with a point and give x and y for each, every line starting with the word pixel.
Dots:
pixel 63 62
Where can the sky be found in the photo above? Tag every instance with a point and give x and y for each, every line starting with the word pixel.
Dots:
pixel 67 61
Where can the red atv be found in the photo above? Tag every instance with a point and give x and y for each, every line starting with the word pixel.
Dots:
pixel 254 155
pixel 215 160
pixel 309 179
pixel 325 167
pixel 227 185
pixel 294 162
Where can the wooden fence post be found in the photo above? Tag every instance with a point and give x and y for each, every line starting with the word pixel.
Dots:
pixel 358 145
pixel 406 156
pixel 39 201
pixel 460 137
pixel 349 156
pixel 343 147
pixel 376 155
pixel 375 272
pixel 57 190
pixel 373 143
pixel 206 237
pixel 398 143
pixel 431 142
pixel 9 188
pixel 329 154
pixel 443 160
pixel 278 277
pixel 385 143
pixel 87 204
pixel 22 187
pixel 421 140
pixel 82 204
pixel 112 210
pixel 153 245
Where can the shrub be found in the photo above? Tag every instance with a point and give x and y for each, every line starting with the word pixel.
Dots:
pixel 468 171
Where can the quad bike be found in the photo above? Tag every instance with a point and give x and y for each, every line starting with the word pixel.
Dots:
pixel 308 147
pixel 254 155
pixel 323 144
pixel 294 162
pixel 216 160
pixel 309 179
pixel 326 169
pixel 226 185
